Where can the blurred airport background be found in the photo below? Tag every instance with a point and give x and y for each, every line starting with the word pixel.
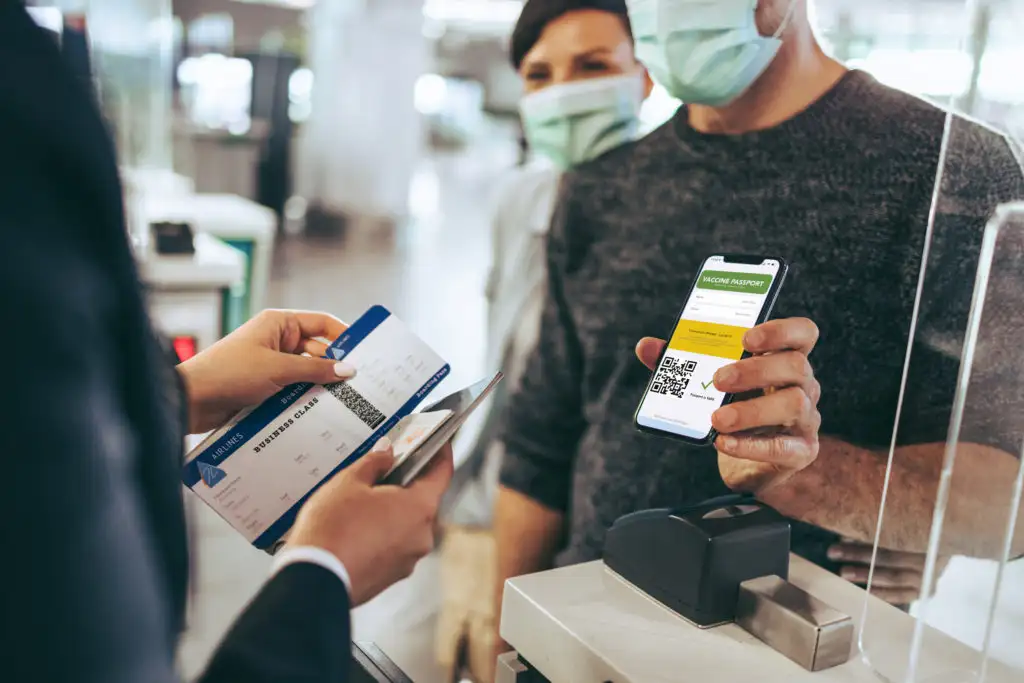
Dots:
pixel 335 154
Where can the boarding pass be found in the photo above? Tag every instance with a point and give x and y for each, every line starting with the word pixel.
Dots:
pixel 258 470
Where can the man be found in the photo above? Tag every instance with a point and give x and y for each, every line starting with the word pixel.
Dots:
pixel 91 438
pixel 583 89
pixel 781 151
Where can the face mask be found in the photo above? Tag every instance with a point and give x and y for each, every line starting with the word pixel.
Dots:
pixel 575 122
pixel 703 51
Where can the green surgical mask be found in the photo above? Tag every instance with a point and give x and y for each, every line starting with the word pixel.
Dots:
pixel 704 52
pixel 574 122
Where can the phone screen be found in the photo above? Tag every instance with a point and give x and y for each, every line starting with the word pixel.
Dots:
pixel 727 299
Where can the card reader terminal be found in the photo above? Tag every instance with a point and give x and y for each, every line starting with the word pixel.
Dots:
pixel 693 559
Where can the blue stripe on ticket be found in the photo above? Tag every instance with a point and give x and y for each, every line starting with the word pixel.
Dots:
pixel 276 530
pixel 271 409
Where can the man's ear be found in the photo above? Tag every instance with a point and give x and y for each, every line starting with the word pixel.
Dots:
pixel 648 83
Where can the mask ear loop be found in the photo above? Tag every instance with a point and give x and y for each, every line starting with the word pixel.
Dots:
pixel 786 19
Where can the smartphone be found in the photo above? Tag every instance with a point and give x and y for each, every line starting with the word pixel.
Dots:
pixel 731 294
pixel 460 404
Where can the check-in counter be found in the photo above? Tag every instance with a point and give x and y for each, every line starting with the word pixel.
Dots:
pixel 585 624
pixel 187 292
pixel 240 223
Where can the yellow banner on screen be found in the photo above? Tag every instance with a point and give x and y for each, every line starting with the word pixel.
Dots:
pixel 710 339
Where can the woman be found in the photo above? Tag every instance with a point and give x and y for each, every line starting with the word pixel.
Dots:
pixel 91 435
pixel 583 89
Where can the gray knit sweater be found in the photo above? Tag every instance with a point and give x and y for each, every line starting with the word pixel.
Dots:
pixel 842 191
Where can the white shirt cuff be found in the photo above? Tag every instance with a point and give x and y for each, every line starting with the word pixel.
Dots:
pixel 312 555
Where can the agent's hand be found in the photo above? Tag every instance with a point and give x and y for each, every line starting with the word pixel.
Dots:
pixel 378 532
pixel 256 361
pixel 770 431
pixel 898 575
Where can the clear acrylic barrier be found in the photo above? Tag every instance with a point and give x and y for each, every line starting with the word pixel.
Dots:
pixel 972 588
pixel 953 495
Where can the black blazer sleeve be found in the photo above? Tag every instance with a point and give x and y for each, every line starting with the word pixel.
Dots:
pixel 85 600
pixel 295 630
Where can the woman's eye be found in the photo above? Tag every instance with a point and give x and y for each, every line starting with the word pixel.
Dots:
pixel 591 67
pixel 537 76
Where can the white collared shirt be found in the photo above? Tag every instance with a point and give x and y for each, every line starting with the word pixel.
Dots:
pixel 312 555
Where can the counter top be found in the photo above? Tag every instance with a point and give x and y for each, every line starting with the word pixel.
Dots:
pixel 585 624
pixel 223 215
pixel 214 265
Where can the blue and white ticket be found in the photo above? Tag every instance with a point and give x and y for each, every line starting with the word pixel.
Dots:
pixel 258 469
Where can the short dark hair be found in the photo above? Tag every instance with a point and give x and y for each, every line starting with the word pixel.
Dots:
pixel 537 14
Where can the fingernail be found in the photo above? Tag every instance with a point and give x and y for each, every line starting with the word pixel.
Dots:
pixel 383 444
pixel 729 443
pixel 753 339
pixel 848 574
pixel 725 375
pixel 344 370
pixel 725 417
pixel 835 554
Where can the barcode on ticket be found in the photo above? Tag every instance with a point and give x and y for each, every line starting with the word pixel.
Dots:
pixel 355 402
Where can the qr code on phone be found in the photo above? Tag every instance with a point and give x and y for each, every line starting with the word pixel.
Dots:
pixel 673 377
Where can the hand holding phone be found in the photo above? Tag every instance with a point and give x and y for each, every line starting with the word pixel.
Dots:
pixel 709 361
pixel 378 533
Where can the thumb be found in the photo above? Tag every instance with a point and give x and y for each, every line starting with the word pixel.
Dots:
pixel 648 350
pixel 292 368
pixel 372 467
